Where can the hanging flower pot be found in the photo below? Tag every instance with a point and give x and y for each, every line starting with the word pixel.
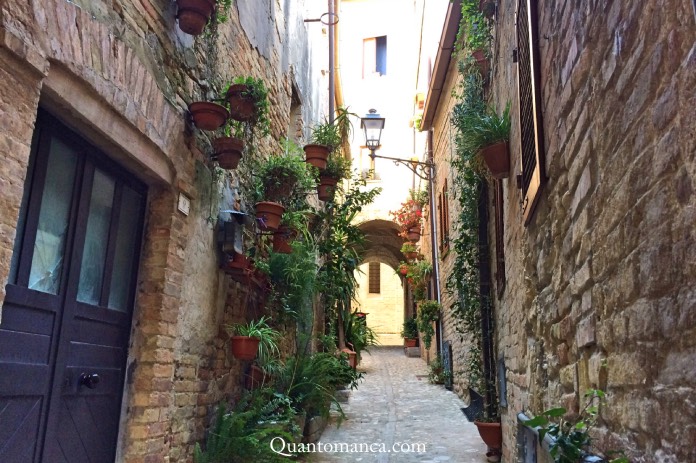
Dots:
pixel 352 357
pixel 242 104
pixel 228 151
pixel 244 347
pixel 413 234
pixel 482 62
pixel 207 115
pixel 193 15
pixel 497 159
pixel 326 187
pixel 317 155
pixel 236 262
pixel 268 215
pixel 411 255
pixel 282 240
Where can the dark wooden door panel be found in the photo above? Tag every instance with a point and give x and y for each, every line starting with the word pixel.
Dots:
pixel 18 442
pixel 80 235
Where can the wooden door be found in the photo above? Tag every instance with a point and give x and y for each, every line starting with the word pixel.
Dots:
pixel 67 313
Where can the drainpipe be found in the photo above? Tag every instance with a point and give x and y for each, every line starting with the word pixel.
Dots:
pixel 332 89
pixel 433 235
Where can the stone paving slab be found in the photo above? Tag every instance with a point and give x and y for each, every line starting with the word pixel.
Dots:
pixel 396 405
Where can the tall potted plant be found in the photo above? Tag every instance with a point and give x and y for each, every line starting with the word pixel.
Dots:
pixel 252 339
pixel 410 332
pixel 428 312
pixel 247 98
pixel 487 134
pixel 326 137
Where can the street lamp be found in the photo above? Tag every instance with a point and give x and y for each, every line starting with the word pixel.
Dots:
pixel 372 124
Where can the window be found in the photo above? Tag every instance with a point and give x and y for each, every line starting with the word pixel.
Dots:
pixel 375 56
pixel 533 176
pixel 374 277
pixel 499 238
pixel 443 219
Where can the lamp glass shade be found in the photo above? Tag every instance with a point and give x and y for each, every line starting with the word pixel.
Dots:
pixel 372 124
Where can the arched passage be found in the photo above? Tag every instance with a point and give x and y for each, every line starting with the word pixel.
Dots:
pixel 381 291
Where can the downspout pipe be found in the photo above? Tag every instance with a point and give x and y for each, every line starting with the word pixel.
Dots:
pixel 433 236
pixel 332 88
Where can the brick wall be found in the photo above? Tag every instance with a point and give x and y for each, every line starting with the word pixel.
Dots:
pixel 122 74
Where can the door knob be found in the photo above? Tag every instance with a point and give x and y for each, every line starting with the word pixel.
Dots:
pixel 89 380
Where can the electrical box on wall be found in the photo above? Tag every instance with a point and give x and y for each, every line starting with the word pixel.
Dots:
pixel 229 233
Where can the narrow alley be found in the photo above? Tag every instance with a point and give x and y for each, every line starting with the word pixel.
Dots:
pixel 396 406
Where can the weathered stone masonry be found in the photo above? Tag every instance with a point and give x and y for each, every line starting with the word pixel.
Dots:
pixel 121 73
pixel 600 286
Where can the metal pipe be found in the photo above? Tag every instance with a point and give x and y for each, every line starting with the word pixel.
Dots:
pixel 332 88
pixel 433 234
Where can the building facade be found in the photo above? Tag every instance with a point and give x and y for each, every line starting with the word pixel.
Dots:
pixel 592 272
pixel 112 340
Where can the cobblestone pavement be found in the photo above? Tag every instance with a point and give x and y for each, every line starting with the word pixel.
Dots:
pixel 396 405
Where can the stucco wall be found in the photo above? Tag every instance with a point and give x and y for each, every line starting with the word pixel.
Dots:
pixel 386 308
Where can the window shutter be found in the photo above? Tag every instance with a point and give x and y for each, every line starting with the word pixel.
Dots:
pixel 499 238
pixel 369 57
pixel 374 278
pixel 533 176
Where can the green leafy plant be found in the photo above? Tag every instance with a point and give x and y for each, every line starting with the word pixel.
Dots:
pixel 481 129
pixel 337 166
pixel 327 134
pixel 419 197
pixel 283 178
pixel 268 337
pixel 428 312
pixel 258 93
pixel 410 330
pixel 408 247
pixel 474 30
pixel 417 277
pixel 438 374
pixel 244 433
pixel 571 437
pixel 358 335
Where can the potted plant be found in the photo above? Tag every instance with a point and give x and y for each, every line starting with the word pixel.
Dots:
pixel 409 217
pixel 326 137
pixel 274 186
pixel 207 115
pixel 403 269
pixel 428 312
pixel 488 134
pixel 291 224
pixel 409 250
pixel 410 332
pixel 228 149
pixel 255 337
pixel 337 168
pixel 438 374
pixel 247 98
pixel 193 15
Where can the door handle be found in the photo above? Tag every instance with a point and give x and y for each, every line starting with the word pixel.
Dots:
pixel 89 380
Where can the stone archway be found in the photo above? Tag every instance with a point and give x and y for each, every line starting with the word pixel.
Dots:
pixel 382 296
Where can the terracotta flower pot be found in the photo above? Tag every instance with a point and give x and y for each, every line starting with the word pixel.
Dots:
pixel 487 7
pixel 352 357
pixel 207 115
pixel 326 187
pixel 242 107
pixel 410 342
pixel 497 158
pixel 411 255
pixel 244 347
pixel 491 433
pixel 193 15
pixel 282 239
pixel 228 151
pixel 269 215
pixel 413 234
pixel 236 262
pixel 482 62
pixel 256 377
pixel 316 155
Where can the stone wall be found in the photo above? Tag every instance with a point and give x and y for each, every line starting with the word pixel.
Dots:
pixel 121 74
pixel 600 286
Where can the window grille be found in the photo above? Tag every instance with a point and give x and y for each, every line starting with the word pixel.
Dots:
pixel 374 278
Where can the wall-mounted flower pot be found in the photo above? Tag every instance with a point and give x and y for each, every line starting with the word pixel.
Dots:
pixel 491 433
pixel 193 15
pixel 487 7
pixel 282 239
pixel 244 347
pixel 256 377
pixel 352 357
pixel 236 262
pixel 242 106
pixel 410 342
pixel 268 215
pixel 326 187
pixel 413 234
pixel 207 115
pixel 411 255
pixel 497 159
pixel 316 155
pixel 482 62
pixel 228 151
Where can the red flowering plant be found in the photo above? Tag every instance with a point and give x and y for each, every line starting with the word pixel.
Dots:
pixel 409 215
